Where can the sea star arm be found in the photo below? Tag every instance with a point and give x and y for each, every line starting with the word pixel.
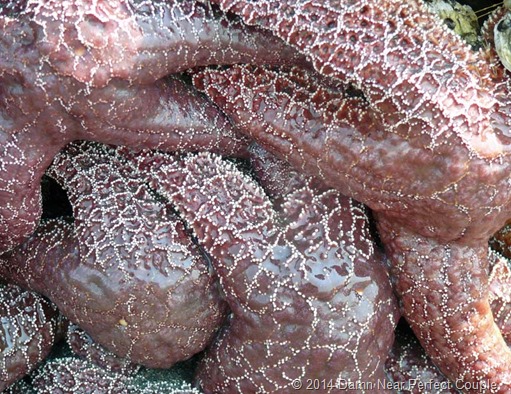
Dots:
pixel 151 294
pixel 444 293
pixel 30 325
pixel 143 41
pixel 326 132
pixel 166 115
pixel 391 46
pixel 127 272
pixel 65 66
pixel 83 346
pixel 296 286
pixel 322 131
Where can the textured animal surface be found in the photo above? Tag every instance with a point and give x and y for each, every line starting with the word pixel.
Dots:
pixel 369 103
pixel 29 329
pixel 306 286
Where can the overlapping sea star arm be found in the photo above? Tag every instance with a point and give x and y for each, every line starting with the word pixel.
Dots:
pixel 326 132
pixel 166 115
pixel 304 282
pixel 91 70
pixel 427 85
pixel 127 272
pixel 444 292
pixel 142 41
pixel 443 195
pixel 30 326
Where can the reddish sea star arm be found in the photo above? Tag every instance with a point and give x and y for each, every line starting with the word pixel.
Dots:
pixel 444 292
pixel 29 326
pixel 305 301
pixel 430 194
pixel 325 132
pixel 392 46
pixel 24 158
pixel 82 345
pixel 145 40
pixel 167 115
pixel 127 271
pixel 151 295
pixel 65 66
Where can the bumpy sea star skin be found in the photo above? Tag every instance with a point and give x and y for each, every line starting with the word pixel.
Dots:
pixel 306 286
pixel 143 41
pixel 29 325
pixel 75 69
pixel 500 293
pixel 76 376
pixel 84 346
pixel 411 369
pixel 156 381
pixel 435 227
pixel 71 375
pixel 192 124
pixel 276 176
pixel 127 272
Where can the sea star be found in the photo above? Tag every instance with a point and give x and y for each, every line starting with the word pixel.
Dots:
pixel 71 375
pixel 81 70
pixel 126 271
pixel 412 370
pixel 433 164
pixel 432 161
pixel 29 328
pixel 303 279
pixel 84 347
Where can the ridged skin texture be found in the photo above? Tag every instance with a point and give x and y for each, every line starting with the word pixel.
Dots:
pixel 93 70
pixel 76 376
pixel 29 325
pixel 72 375
pixel 305 284
pixel 404 118
pixel 432 160
pixel 412 370
pixel 127 271
pixel 84 347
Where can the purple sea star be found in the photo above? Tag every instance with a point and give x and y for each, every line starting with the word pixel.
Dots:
pixel 433 164
pixel 80 70
pixel 69 375
pixel 126 271
pixel 28 330
pixel 306 286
